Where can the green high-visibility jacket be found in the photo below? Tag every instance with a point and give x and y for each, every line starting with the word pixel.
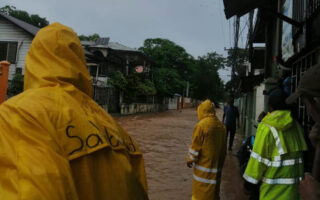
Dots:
pixel 276 159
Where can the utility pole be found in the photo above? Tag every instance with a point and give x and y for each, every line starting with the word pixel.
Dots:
pixel 235 54
pixel 187 90
pixel 250 30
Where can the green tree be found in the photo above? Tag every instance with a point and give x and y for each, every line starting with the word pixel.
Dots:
pixel 173 66
pixel 7 9
pixel 16 85
pixel 138 86
pixel 168 81
pixel 92 37
pixel 118 80
pixel 206 82
pixel 33 19
pixel 39 21
pixel 146 88
pixel 133 85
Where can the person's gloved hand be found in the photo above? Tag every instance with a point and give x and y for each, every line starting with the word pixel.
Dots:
pixel 190 164
pixel 314 134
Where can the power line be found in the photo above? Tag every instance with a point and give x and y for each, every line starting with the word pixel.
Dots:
pixel 229 33
pixel 235 52
pixel 224 40
pixel 241 32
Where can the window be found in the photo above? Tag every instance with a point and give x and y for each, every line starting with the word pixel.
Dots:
pixel 18 70
pixel 8 51
pixel 93 70
pixel 302 64
pixel 103 69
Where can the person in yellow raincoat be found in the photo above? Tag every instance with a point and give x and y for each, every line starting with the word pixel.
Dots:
pixel 56 143
pixel 207 152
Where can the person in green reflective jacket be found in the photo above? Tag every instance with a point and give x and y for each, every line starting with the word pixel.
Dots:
pixel 276 160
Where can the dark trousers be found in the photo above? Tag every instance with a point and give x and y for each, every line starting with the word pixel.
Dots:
pixel 232 131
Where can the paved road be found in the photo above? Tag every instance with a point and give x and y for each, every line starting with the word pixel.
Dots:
pixel 164 139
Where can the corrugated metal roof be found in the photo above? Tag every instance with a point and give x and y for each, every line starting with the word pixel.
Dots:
pixel 105 44
pixel 86 52
pixel 94 45
pixel 102 41
pixel 88 43
pixel 33 30
pixel 119 47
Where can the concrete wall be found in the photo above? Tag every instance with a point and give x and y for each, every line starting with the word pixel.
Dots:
pixel 173 103
pixel 246 106
pixel 11 33
pixel 250 106
pixel 134 108
pixel 187 103
pixel 259 99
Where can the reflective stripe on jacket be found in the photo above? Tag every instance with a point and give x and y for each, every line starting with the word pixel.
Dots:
pixel 276 159
pixel 207 151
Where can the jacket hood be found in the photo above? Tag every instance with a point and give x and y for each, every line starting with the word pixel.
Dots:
pixel 280 119
pixel 206 109
pixel 56 58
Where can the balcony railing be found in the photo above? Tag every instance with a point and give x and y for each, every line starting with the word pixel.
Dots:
pixel 313 7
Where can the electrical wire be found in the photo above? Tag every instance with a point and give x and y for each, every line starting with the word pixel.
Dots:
pixel 222 28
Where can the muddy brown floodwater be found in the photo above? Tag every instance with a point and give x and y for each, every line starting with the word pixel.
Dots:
pixel 164 139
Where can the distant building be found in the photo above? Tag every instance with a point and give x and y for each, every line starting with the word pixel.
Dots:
pixel 103 58
pixel 15 39
pixel 283 43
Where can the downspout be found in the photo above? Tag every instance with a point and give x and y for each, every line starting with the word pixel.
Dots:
pixel 18 52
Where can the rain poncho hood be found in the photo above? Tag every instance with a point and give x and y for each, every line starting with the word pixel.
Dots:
pixel 56 142
pixel 207 151
pixel 281 120
pixel 206 109
pixel 59 53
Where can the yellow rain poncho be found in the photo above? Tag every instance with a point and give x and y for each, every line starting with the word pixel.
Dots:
pixel 207 151
pixel 56 142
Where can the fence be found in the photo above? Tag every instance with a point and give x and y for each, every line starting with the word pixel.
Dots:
pixel 299 67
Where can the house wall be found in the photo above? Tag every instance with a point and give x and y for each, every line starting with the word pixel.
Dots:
pixel 247 109
pixel 259 100
pixel 240 103
pixel 10 32
pixel 187 103
pixel 134 108
pixel 250 114
pixel 173 103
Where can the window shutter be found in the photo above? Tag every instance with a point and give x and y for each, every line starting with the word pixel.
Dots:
pixel 3 51
pixel 12 52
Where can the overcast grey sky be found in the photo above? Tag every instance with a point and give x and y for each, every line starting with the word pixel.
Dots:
pixel 199 26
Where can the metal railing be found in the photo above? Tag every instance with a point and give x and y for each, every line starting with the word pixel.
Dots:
pixel 300 66
pixel 313 6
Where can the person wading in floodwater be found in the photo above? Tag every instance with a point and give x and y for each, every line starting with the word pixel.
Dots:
pixel 207 152
pixel 230 119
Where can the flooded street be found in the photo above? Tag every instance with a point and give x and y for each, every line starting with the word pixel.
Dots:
pixel 164 139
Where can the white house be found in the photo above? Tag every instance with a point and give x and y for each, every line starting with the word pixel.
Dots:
pixel 15 39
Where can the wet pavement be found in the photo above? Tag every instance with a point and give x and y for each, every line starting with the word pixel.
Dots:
pixel 164 139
